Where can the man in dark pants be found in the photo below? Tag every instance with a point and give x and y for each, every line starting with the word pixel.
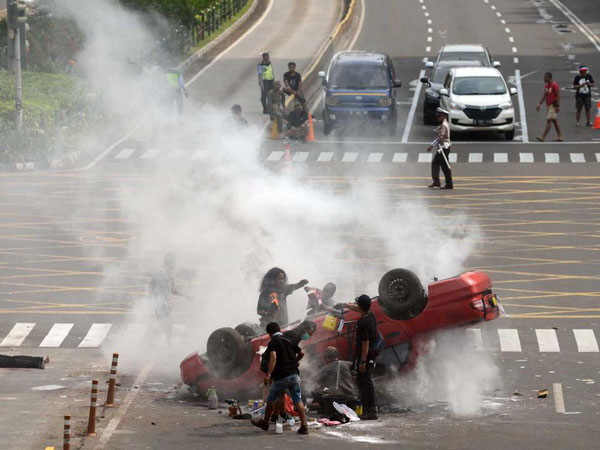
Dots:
pixel 583 84
pixel 266 79
pixel 441 146
pixel 366 335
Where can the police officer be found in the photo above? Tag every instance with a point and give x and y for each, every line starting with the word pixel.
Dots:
pixel 441 145
pixel 266 79
pixel 176 88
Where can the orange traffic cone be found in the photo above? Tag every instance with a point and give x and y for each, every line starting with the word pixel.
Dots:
pixel 274 129
pixel 310 137
pixel 597 119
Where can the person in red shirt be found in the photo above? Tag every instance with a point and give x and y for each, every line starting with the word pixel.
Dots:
pixel 552 97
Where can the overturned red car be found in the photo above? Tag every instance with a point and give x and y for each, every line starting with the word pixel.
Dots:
pixel 406 316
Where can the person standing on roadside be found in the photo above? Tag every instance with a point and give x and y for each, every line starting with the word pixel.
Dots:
pixel 441 145
pixel 552 98
pixel 176 87
pixel 366 336
pixel 266 79
pixel 583 84
pixel 293 83
pixel 283 371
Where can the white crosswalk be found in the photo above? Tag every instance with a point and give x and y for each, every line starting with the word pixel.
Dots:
pixel 506 340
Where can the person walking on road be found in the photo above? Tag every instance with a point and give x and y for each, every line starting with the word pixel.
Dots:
pixel 552 98
pixel 272 301
pixel 293 83
pixel 266 79
pixel 366 337
pixel 441 145
pixel 583 84
pixel 276 105
pixel 283 372
pixel 176 87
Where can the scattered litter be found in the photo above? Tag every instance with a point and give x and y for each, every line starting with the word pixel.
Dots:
pixel 542 393
pixel 588 381
pixel 153 423
pixel 517 393
pixel 48 387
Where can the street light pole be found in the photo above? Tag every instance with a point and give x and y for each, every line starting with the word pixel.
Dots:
pixel 16 16
pixel 18 81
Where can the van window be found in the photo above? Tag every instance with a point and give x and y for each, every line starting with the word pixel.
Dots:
pixel 479 86
pixel 359 76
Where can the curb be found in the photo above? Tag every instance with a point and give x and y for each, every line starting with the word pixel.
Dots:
pixel 66 161
pixel 186 64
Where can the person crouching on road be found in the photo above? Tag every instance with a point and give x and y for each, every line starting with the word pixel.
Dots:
pixel 284 357
pixel 272 301
pixel 297 123
pixel 441 145
pixel 366 335
pixel 276 104
pixel 552 98
pixel 335 377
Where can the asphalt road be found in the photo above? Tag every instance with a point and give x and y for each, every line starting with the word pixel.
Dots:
pixel 535 206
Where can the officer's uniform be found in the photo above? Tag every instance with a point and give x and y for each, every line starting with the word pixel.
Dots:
pixel 176 88
pixel 442 143
pixel 266 78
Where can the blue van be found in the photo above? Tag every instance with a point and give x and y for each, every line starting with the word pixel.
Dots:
pixel 360 86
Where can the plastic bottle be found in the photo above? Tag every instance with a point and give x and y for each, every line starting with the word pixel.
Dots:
pixel 279 426
pixel 213 399
pixel 358 408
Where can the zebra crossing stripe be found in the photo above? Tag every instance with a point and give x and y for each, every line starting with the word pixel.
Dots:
pixel 509 340
pixel 500 157
pixel 586 341
pixel 325 157
pixel 17 335
pixel 125 153
pixel 452 158
pixel 526 157
pixel 475 157
pixel 400 157
pixel 547 341
pixel 476 338
pixel 577 157
pixel 275 156
pixel 552 157
pixel 95 335
pixel 598 157
pixel 57 335
pixel 300 157
pixel 424 158
pixel 349 157
pixel 374 157
pixel 151 153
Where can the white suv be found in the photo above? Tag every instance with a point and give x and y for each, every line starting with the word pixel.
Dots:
pixel 465 52
pixel 478 99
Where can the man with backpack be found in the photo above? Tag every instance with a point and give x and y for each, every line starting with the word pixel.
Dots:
pixel 282 368
pixel 369 343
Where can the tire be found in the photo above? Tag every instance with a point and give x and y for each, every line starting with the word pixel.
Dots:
pixel 401 294
pixel 249 330
pixel 509 135
pixel 225 349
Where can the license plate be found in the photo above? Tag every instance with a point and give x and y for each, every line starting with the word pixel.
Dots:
pixel 482 122
pixel 358 113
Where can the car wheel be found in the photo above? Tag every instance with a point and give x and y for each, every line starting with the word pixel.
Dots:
pixel 249 330
pixel 225 349
pixel 401 294
pixel 509 135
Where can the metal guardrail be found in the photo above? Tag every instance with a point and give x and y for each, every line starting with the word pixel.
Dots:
pixel 209 21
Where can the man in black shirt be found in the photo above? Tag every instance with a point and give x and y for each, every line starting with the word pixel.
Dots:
pixel 293 83
pixel 582 84
pixel 297 123
pixel 366 335
pixel 284 356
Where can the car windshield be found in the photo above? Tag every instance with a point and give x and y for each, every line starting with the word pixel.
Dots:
pixel 465 56
pixel 479 86
pixel 359 76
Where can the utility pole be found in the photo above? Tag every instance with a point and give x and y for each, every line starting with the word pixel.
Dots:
pixel 16 18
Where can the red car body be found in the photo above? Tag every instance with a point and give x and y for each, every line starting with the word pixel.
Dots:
pixel 459 301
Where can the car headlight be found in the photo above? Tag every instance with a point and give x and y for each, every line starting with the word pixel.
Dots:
pixel 507 105
pixel 457 105
pixel 432 93
pixel 385 101
pixel 332 101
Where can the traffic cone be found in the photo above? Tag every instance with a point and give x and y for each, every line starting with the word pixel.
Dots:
pixel 310 137
pixel 274 129
pixel 597 119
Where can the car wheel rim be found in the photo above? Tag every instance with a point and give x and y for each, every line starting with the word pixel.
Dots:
pixel 398 290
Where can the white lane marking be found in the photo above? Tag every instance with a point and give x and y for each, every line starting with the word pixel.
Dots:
pixel 552 157
pixel 578 23
pixel 374 157
pixel 547 340
pixel 509 340
pixel 559 400
pixel 577 157
pixel 500 157
pixel 325 157
pixel 426 14
pixel 199 154
pixel 423 7
pixel 57 335
pixel 586 341
pixel 503 22
pixel 526 157
pixel 400 157
pixel 349 156
pixel 413 108
pixel 521 101
pixel 232 46
pixel 424 158
pixel 486 1
pixel 498 14
pixel 516 60
pixel 476 338
pixel 95 335
pixel 275 155
pixel 507 30
pixel 151 153
pixel 598 157
pixel 452 158
pixel 429 21
pixel 515 50
pixel 429 38
pixel 511 39
pixel 125 153
pixel 427 49
pixel 17 335
pixel 493 7
pixel 300 157
pixel 475 157
pixel 430 30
